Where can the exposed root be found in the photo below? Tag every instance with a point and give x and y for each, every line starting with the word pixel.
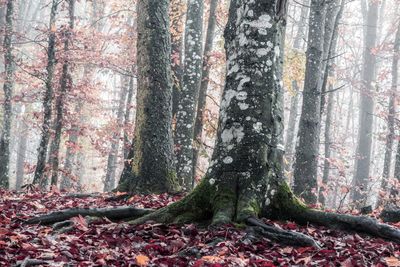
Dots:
pixel 282 236
pixel 118 213
pixel 390 215
pixel 360 224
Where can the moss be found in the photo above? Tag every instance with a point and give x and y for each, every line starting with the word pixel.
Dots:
pixel 285 204
pixel 249 207
pixel 172 180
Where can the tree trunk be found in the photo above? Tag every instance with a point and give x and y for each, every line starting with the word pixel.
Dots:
pixel 205 76
pixel 334 11
pixel 301 35
pixel 65 86
pixel 292 125
pixel 394 192
pixel 307 151
pixel 153 165
pixel 186 114
pixel 363 154
pixel 47 101
pixel 127 117
pixel 8 86
pixel 21 153
pixel 176 14
pixel 109 182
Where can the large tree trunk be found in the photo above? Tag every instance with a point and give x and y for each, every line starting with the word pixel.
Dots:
pixel 153 165
pixel 8 92
pixel 307 151
pixel 47 101
pixel 186 114
pixel 65 85
pixel 205 76
pixel 363 154
pixel 176 14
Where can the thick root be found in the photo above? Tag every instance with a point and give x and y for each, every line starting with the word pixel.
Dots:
pixel 119 213
pixel 282 236
pixel 390 215
pixel 361 224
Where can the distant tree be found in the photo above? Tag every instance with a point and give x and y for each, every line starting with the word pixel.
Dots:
pixel 65 86
pixel 363 153
pixel 8 86
pixel 205 78
pixel 307 151
pixel 186 113
pixel 391 126
pixel 47 100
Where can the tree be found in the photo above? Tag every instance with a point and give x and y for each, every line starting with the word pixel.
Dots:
pixel 390 120
pixel 363 154
pixel 302 26
pixel 307 151
pixel 65 86
pixel 201 105
pixel 152 164
pixel 8 94
pixel 47 100
pixel 176 14
pixel 109 183
pixel 186 114
pixel 245 179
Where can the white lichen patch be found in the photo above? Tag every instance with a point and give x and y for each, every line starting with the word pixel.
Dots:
pixel 228 160
pixel 243 106
pixel 241 96
pixel 211 181
pixel 228 135
pixel 257 127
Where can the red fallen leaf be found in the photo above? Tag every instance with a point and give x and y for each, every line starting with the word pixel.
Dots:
pixel 4 231
pixel 392 261
pixel 80 223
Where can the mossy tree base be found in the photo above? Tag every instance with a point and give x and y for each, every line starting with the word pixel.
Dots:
pixel 222 203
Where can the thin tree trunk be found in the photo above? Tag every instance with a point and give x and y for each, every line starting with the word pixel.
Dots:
pixel 127 117
pixel 65 86
pixel 153 165
pixel 307 152
pixel 391 118
pixel 301 35
pixel 21 153
pixel 292 125
pixel 205 77
pixel 176 14
pixel 8 92
pixel 186 114
pixel 109 182
pixel 363 155
pixel 47 101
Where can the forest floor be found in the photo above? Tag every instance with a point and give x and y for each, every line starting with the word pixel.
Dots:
pixel 106 243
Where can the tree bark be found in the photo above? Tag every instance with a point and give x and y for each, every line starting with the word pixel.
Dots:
pixel 65 86
pixel 186 114
pixel 363 154
pixel 176 14
pixel 291 131
pixel 153 165
pixel 21 153
pixel 205 76
pixel 307 151
pixel 47 101
pixel 8 86
pixel 301 35
pixel 109 182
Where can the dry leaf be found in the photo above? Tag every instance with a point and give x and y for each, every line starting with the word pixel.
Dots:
pixel 142 260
